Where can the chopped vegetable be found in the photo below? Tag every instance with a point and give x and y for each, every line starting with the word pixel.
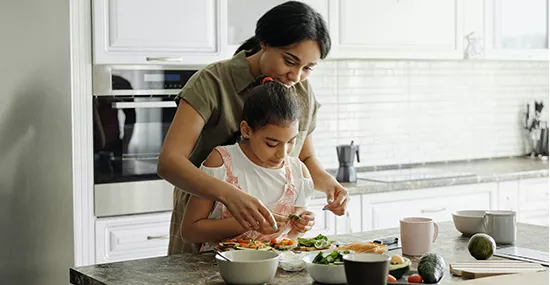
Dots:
pixel 415 278
pixel 293 216
pixel 391 279
pixel 333 258
pixel 311 241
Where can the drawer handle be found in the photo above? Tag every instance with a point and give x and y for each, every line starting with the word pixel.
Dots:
pixel 434 211
pixel 158 237
pixel 165 59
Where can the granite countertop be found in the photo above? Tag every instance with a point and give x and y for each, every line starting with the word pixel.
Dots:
pixel 485 170
pixel 201 268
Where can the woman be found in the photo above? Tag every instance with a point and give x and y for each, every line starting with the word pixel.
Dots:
pixel 289 41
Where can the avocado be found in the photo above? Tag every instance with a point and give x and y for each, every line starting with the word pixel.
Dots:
pixel 431 267
pixel 398 270
pixel 481 246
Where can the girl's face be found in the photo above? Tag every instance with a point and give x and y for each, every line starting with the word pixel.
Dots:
pixel 291 64
pixel 269 146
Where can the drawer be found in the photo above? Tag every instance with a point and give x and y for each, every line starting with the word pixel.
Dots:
pixel 385 211
pixel 508 198
pixel 324 220
pixel 133 237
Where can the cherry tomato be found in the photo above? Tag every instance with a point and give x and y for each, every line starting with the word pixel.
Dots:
pixel 391 279
pixel 415 278
pixel 274 240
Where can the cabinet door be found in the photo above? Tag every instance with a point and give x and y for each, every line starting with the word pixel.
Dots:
pixel 156 32
pixel 508 198
pixel 384 210
pixel 324 220
pixel 132 237
pixel 516 29
pixel 397 29
pixel 242 16
pixel 533 201
pixel 351 221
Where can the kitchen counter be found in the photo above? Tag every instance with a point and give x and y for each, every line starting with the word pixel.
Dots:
pixel 485 170
pixel 201 268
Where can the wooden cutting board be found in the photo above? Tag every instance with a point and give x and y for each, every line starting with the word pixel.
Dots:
pixel 537 278
pixel 484 268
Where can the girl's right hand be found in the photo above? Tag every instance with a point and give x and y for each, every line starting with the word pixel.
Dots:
pixel 247 210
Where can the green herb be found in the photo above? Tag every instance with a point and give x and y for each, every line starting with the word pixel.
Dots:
pixel 292 216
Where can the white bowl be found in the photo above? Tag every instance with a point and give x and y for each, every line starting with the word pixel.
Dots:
pixel 323 273
pixel 248 266
pixel 469 222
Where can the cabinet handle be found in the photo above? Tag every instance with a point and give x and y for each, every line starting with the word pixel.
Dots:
pixel 158 237
pixel 164 58
pixel 433 211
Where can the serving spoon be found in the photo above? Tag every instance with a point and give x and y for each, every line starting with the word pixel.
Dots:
pixel 219 253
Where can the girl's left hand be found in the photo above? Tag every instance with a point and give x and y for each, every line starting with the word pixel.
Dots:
pixel 337 195
pixel 305 223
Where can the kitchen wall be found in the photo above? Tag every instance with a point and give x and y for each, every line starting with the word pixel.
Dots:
pixel 421 111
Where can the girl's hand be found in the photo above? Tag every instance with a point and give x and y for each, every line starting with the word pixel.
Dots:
pixel 304 223
pixel 337 196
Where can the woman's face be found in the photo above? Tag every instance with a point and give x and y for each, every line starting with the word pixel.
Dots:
pixel 291 64
pixel 269 146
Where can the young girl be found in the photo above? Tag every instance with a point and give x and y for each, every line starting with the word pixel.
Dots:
pixel 260 164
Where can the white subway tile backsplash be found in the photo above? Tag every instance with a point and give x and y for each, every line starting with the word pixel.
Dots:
pixel 420 111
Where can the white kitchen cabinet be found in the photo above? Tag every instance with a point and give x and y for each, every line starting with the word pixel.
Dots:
pixel 516 29
pixel 384 210
pixel 508 198
pixel 351 221
pixel 157 32
pixel 325 221
pixel 416 29
pixel 533 201
pixel 242 16
pixel 132 237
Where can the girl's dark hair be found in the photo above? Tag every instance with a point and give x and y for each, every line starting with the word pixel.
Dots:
pixel 287 24
pixel 270 103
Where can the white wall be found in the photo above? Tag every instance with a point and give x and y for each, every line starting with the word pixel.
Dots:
pixel 422 111
pixel 36 206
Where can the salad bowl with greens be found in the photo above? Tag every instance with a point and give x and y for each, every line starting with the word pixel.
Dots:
pixel 327 266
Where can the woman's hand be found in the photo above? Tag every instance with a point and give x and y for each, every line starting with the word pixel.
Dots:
pixel 281 223
pixel 304 223
pixel 247 210
pixel 337 196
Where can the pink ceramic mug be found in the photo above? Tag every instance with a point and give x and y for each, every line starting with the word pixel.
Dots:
pixel 417 235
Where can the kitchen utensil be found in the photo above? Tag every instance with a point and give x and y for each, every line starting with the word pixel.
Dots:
pixel 366 266
pixel 469 222
pixel 219 253
pixel 483 268
pixel 501 226
pixel 248 266
pixel 511 279
pixel 525 254
pixel 346 156
pixel 417 235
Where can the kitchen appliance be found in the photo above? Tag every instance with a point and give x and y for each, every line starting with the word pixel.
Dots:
pixel 346 156
pixel 133 107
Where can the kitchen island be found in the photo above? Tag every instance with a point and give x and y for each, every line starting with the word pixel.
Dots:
pixel 202 269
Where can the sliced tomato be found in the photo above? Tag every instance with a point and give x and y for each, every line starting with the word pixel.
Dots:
pixel 391 279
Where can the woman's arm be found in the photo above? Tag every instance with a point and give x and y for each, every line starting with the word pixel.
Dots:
pixel 337 196
pixel 175 167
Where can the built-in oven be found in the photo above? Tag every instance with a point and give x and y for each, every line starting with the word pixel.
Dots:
pixel 133 107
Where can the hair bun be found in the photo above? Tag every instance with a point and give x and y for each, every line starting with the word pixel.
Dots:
pixel 266 79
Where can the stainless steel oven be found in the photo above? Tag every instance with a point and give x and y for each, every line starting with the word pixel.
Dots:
pixel 133 109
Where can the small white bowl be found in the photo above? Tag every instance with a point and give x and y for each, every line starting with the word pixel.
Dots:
pixel 469 222
pixel 248 266
pixel 323 273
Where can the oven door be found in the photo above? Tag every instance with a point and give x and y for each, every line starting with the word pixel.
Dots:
pixel 128 135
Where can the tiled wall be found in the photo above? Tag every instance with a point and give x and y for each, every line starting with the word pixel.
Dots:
pixel 421 111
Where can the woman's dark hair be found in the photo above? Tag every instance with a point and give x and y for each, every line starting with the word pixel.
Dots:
pixel 287 24
pixel 270 103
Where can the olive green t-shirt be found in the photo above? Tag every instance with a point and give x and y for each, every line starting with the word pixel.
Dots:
pixel 218 92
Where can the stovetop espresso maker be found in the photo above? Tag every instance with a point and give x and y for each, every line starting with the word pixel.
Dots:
pixel 346 157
